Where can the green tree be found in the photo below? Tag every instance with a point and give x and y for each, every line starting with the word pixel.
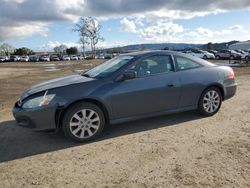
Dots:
pixel 71 51
pixel 210 46
pixel 23 51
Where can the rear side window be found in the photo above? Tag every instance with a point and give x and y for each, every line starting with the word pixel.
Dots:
pixel 183 63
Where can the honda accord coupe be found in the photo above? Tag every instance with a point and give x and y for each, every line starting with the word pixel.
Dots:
pixel 125 88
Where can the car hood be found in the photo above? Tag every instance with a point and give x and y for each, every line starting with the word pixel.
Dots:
pixel 55 83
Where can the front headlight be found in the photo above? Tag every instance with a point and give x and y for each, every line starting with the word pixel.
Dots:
pixel 39 101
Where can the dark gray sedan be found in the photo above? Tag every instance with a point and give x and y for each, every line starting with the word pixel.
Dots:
pixel 125 88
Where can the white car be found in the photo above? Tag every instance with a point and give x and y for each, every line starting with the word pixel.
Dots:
pixel 80 57
pixel 100 56
pixel 24 58
pixel 244 54
pixel 44 58
pixel 65 58
pixel 3 59
pixel 201 54
pixel 73 58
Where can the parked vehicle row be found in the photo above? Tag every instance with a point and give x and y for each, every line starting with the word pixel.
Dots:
pixel 219 55
pixel 204 54
pixel 36 58
pixel 46 58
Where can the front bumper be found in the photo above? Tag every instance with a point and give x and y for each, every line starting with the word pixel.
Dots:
pixel 39 119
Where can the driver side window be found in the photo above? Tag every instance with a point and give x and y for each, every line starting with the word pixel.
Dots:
pixel 153 65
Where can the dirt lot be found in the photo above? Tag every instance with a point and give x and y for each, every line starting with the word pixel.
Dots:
pixel 181 150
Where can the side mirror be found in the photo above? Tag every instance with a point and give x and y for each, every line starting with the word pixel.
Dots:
pixel 127 75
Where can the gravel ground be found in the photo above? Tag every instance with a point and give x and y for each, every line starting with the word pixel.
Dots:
pixel 181 150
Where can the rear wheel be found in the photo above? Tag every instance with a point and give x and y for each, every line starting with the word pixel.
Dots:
pixel 204 57
pixel 217 57
pixel 210 101
pixel 83 122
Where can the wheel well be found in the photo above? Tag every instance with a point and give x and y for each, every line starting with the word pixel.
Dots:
pixel 218 87
pixel 93 101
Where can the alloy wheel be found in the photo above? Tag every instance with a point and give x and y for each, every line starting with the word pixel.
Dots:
pixel 85 123
pixel 211 101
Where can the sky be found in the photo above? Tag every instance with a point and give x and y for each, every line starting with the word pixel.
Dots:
pixel 44 24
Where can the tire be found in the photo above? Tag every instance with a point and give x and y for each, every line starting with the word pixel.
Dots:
pixel 247 58
pixel 231 57
pixel 204 57
pixel 209 106
pixel 79 125
pixel 217 57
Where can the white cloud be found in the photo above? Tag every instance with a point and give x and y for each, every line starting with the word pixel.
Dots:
pixel 232 30
pixel 150 20
pixel 236 27
pixel 23 18
pixel 128 25
pixel 161 32
pixel 204 35
pixel 23 30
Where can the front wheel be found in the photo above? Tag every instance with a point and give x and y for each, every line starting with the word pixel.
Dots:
pixel 83 122
pixel 231 57
pixel 210 101
pixel 247 58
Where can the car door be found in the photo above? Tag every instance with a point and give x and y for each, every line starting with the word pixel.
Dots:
pixel 156 88
pixel 226 54
pixel 191 81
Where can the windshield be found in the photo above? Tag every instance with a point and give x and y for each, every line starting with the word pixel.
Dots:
pixel 109 67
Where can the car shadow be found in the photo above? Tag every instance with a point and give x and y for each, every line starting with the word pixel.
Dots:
pixel 17 142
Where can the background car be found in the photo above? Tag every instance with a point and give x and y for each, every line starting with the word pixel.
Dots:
pixel 73 58
pixel 201 54
pixel 80 57
pixel 212 51
pixel 247 58
pixel 244 54
pixel 65 58
pixel 3 58
pixel 108 56
pixel 44 58
pixel 125 88
pixel 100 56
pixel 14 58
pixel 228 54
pixel 34 58
pixel 24 58
pixel 54 58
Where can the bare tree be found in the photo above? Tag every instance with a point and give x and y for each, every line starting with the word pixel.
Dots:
pixel 81 28
pixel 60 49
pixel 94 35
pixel 89 31
pixel 84 41
pixel 7 49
